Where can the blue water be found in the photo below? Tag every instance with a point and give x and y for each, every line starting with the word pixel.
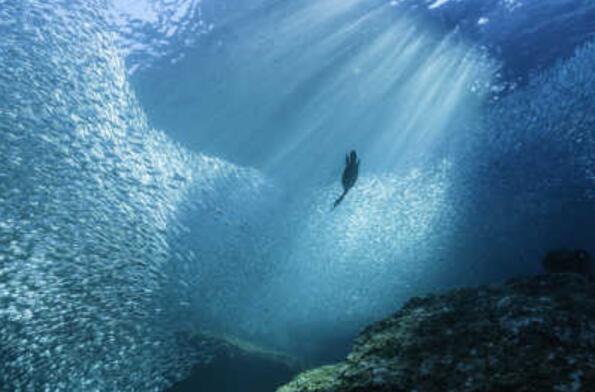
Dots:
pixel 171 165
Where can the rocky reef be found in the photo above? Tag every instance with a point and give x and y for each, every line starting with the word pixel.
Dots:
pixel 228 364
pixel 529 334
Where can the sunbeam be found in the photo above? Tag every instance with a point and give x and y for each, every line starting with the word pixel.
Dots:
pixel 332 76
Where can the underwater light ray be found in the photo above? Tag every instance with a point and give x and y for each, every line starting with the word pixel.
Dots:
pixel 440 87
pixel 340 38
pixel 387 84
pixel 401 46
pixel 316 14
pixel 336 90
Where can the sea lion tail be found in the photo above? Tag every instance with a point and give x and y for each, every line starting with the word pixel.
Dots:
pixel 339 200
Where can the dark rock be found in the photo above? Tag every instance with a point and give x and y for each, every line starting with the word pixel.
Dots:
pixel 534 335
pixel 232 365
pixel 562 261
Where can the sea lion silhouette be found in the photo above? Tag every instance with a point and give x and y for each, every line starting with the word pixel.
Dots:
pixel 350 174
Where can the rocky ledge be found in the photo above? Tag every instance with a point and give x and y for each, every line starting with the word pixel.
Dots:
pixel 531 334
pixel 233 365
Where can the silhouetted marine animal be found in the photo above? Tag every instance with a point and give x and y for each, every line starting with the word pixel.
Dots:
pixel 564 260
pixel 349 175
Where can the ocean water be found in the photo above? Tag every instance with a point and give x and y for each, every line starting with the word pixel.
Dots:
pixel 168 166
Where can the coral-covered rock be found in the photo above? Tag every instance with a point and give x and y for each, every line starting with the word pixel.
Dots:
pixel 533 334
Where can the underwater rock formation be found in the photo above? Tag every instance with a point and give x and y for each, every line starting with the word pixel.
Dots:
pixel 563 260
pixel 530 334
pixel 234 366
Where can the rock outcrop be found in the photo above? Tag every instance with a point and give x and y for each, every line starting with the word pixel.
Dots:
pixel 564 260
pixel 532 334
